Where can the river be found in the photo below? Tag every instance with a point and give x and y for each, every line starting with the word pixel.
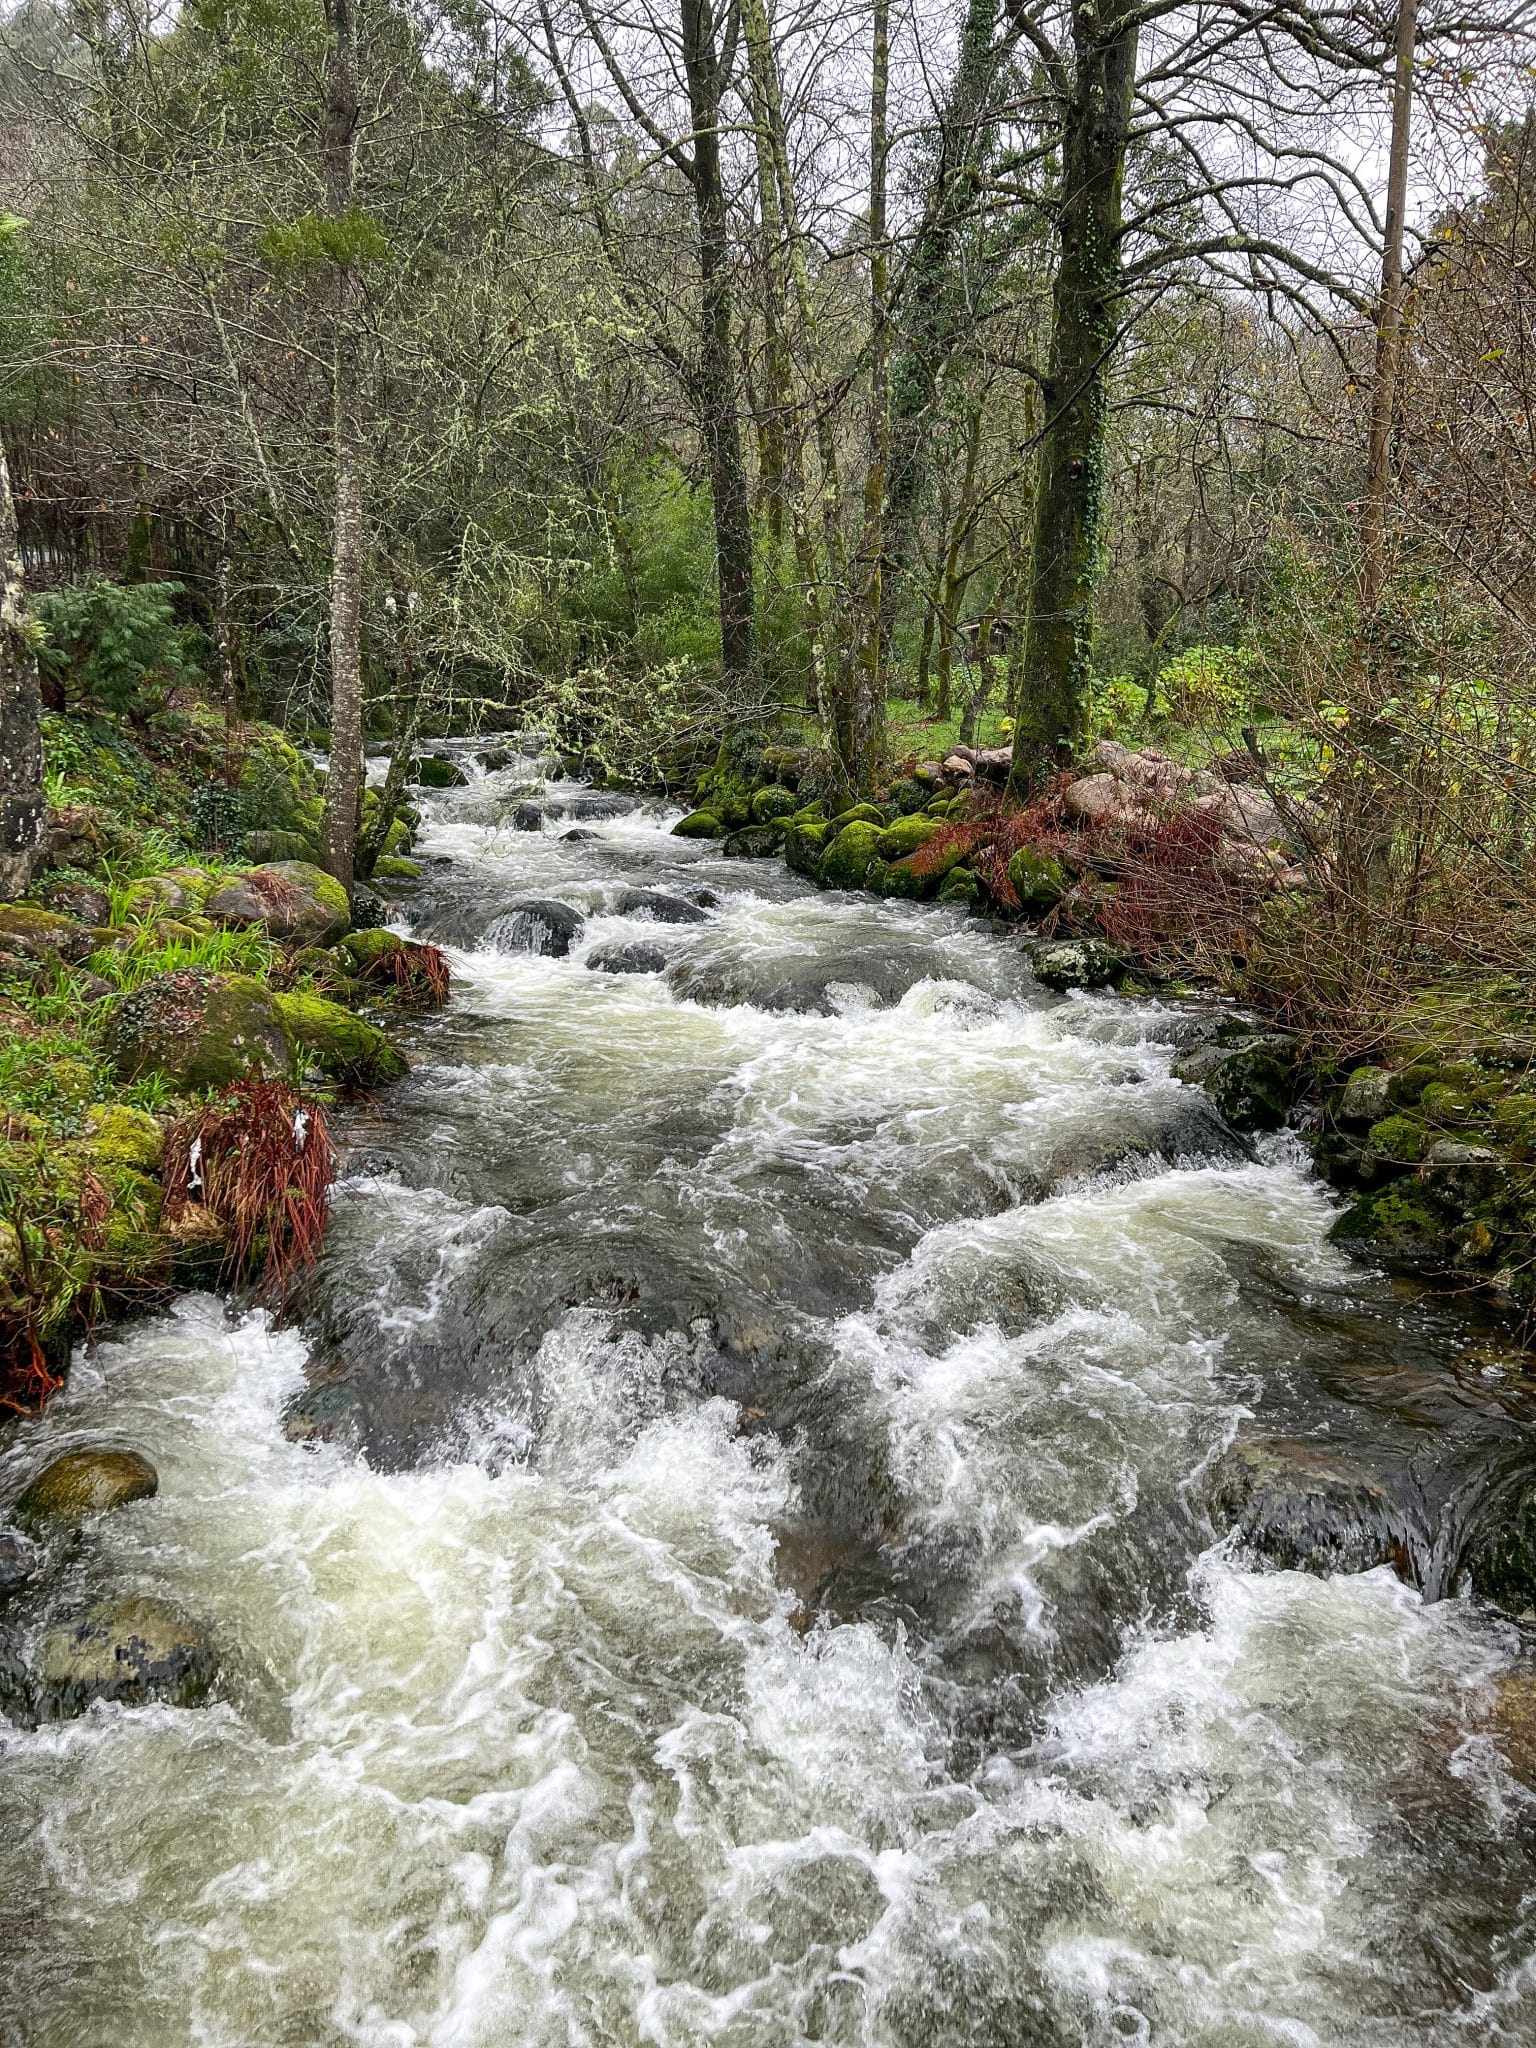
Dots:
pixel 721 1559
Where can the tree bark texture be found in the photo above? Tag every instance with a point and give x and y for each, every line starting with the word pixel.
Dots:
pixel 1389 318
pixel 22 808
pixel 714 379
pixel 344 778
pixel 1067 553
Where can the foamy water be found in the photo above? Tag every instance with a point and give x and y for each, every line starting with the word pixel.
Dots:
pixel 760 1594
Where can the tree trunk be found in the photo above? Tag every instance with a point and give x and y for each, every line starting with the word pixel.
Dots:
pixel 22 809
pixel 1389 319
pixel 714 379
pixel 1069 504
pixel 869 688
pixel 344 779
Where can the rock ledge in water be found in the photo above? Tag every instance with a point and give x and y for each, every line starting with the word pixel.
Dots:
pixel 1307 1507
pixel 127 1651
pixel 82 1483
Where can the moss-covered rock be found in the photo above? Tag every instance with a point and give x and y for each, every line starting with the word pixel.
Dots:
pixel 37 934
pixel 288 899
pixel 960 886
pixel 858 814
pixel 773 802
pixel 1038 880
pixel 1254 1088
pixel 172 893
pixel 1077 963
pixel 1364 1096
pixel 276 791
pixel 84 1483
pixel 273 846
pixel 1448 1101
pixel 344 1046
pixel 71 897
pixel 699 825
pixel 390 867
pixel 908 796
pixel 803 847
pixel 848 858
pixel 899 880
pixel 906 836
pixel 1397 1137
pixel 126 1136
pixel 754 842
pixel 1503 1564
pixel 1398 1218
pixel 432 771
pixel 200 1030
pixel 130 1652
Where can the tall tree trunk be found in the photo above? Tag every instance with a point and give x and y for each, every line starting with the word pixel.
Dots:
pixel 1389 319
pixel 21 747
pixel 714 379
pixel 344 779
pixel 1069 505
pixel 869 689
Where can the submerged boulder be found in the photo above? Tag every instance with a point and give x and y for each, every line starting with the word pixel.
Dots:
pixel 341 1045
pixel 129 1652
pixel 635 957
pixel 538 924
pixel 1305 1506
pixel 287 899
pixel 433 771
pixel 659 907
pixel 86 1482
pixel 200 1030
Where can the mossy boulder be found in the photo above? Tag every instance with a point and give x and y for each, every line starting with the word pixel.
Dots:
pixel 1078 963
pixel 848 858
pixel 287 899
pixel 908 796
pixel 130 1652
pixel 754 842
pixel 803 847
pixel 905 836
pixel 1364 1096
pixel 277 789
pixel 392 867
pixel 1448 1101
pixel 960 886
pixel 432 771
pixel 173 893
pixel 70 897
pixel 899 880
pixel 1254 1088
pixel 1038 880
pixel 36 934
pixel 274 846
pixel 200 1030
pixel 1397 1137
pixel 346 1047
pixel 84 1483
pixel 858 814
pixel 699 825
pixel 773 802
pixel 1399 1218
pixel 126 1136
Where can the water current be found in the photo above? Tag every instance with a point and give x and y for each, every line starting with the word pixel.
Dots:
pixel 721 1560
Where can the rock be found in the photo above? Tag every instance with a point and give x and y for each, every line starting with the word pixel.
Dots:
pixel 20 1562
pixel 171 894
pixel 1077 963
pixel 368 910
pixel 803 847
pixel 1100 800
pixel 1255 1086
pixel 1038 880
pixel 527 817
pixel 1502 1564
pixel 699 825
pixel 538 924
pixel 900 880
pixel 635 957
pixel 754 842
pixel 82 900
pixel 929 773
pixel 960 886
pixel 905 836
pixel 1243 813
pixel 771 803
pixel 957 768
pixel 389 867
pixel 83 1483
pixel 859 814
pixel 589 807
pixel 848 858
pixel 39 934
pixel 909 796
pixel 290 899
pixel 126 1136
pixel 579 832
pixel 495 759
pixel 341 1045
pixel 432 771
pixel 200 1030
pixel 129 1652
pixel 1307 1507
pixel 1364 1096
pixel 1397 1219
pixel 659 907
pixel 1397 1138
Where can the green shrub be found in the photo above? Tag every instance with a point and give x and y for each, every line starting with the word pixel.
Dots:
pixel 111 645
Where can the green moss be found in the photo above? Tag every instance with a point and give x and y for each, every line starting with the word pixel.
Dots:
pixel 803 845
pixel 897 879
pixel 859 814
pixel 86 1482
pixel 343 1046
pixel 848 858
pixel 1397 1218
pixel 1254 1089
pixel 960 886
pixel 24 928
pixel 1038 879
pixel 699 825
pixel 127 1136
pixel 908 796
pixel 199 1030
pixel 389 867
pixel 433 772
pixel 1447 1102
pixel 905 837
pixel 1514 1124
pixel 1409 1082
pixel 771 803
pixel 1397 1137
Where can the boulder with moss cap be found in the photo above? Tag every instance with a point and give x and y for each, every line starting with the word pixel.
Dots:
pixel 345 1047
pixel 200 1030
pixel 129 1652
pixel 125 1135
pixel 287 899
pixel 83 1483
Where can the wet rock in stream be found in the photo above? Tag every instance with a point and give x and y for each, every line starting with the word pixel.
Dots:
pixel 537 924
pixel 83 1483
pixel 635 956
pixel 659 907
pixel 1306 1506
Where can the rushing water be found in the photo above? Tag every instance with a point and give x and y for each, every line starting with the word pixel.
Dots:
pixel 723 1560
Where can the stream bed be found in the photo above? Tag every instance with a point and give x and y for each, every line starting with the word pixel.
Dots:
pixel 722 1560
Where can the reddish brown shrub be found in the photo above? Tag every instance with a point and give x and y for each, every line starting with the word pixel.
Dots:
pixel 260 1159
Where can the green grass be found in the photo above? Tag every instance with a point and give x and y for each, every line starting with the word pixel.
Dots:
pixel 911 731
